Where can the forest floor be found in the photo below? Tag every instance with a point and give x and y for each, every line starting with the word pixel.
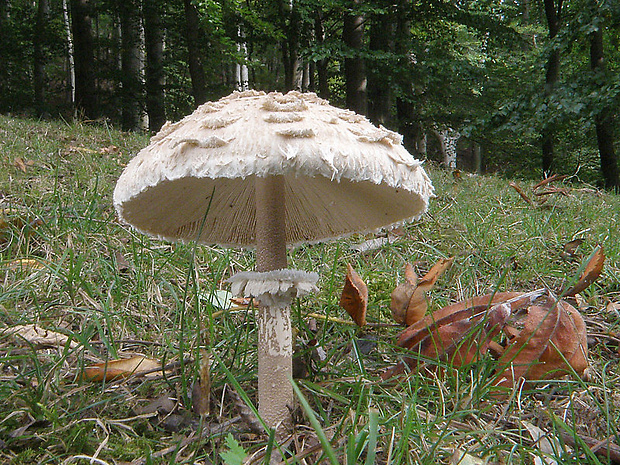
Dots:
pixel 78 288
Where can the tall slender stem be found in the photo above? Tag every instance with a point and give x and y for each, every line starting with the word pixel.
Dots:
pixel 275 341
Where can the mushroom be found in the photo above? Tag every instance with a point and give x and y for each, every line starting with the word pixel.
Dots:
pixel 266 171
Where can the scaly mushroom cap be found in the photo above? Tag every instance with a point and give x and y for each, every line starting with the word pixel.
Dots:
pixel 342 174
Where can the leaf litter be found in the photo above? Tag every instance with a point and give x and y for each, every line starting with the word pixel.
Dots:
pixel 531 336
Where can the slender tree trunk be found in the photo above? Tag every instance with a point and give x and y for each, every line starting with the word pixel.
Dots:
pixel 196 70
pixel 131 82
pixel 354 68
pixel 70 64
pixel 379 95
pixel 241 69
pixel 321 65
pixel 448 139
pixel 408 124
pixel 552 12
pixel 290 46
pixel 477 159
pixel 84 56
pixel 604 119
pixel 40 42
pixel 155 78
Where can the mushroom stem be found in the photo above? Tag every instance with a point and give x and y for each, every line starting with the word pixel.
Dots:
pixel 275 340
pixel 270 224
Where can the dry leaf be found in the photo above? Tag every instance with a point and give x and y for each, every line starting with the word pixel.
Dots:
pixel 14 218
pixel 121 262
pixel 401 296
pixel 547 443
pixel 550 179
pixel 39 337
pixel 22 164
pixel 591 272
pixel 201 391
pixel 613 307
pixel 523 195
pixel 460 332
pixel 553 335
pixel 354 298
pixel 565 191
pixel 373 244
pixel 109 149
pixel 409 301
pixel 25 264
pixel 460 457
pixel 122 368
pixel 570 248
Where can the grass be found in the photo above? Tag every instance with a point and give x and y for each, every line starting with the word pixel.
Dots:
pixel 68 266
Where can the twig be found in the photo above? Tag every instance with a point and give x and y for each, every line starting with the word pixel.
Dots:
pixel 606 448
pixel 334 319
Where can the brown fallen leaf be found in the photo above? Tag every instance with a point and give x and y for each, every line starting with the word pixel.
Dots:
pixel 39 337
pixel 552 343
pixel 461 332
pixel 122 264
pixel 401 296
pixel 590 273
pixel 569 250
pixel 523 195
pixel 22 264
pixel 409 300
pixel 354 298
pixel 550 179
pixel 201 391
pixel 114 369
pixel 565 191
pixel 22 164
pixel 613 307
pixel 12 218
pixel 109 149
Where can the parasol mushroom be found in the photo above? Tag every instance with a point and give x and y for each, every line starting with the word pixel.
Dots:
pixel 272 170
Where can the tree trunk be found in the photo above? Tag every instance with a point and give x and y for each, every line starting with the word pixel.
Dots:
pixel 290 45
pixel 477 161
pixel 551 78
pixel 40 42
pixel 155 78
pixel 84 56
pixel 131 81
pixel 406 124
pixel 321 65
pixel 70 64
pixel 448 139
pixel 604 119
pixel 196 70
pixel 379 95
pixel 241 69
pixel 354 68
pixel 409 124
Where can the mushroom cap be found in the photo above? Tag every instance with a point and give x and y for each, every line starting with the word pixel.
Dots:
pixel 341 173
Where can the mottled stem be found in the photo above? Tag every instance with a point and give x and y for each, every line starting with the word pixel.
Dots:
pixel 275 340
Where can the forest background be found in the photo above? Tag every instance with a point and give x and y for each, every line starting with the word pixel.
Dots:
pixel 521 87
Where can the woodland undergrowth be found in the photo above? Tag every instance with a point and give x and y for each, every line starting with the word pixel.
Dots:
pixel 116 348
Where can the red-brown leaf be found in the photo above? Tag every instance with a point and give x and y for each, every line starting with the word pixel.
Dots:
pixel 460 332
pixel 122 368
pixel 553 336
pixel 409 301
pixel 523 195
pixel 354 298
pixel 591 272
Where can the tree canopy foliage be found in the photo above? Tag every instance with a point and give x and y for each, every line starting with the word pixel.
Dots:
pixel 530 84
